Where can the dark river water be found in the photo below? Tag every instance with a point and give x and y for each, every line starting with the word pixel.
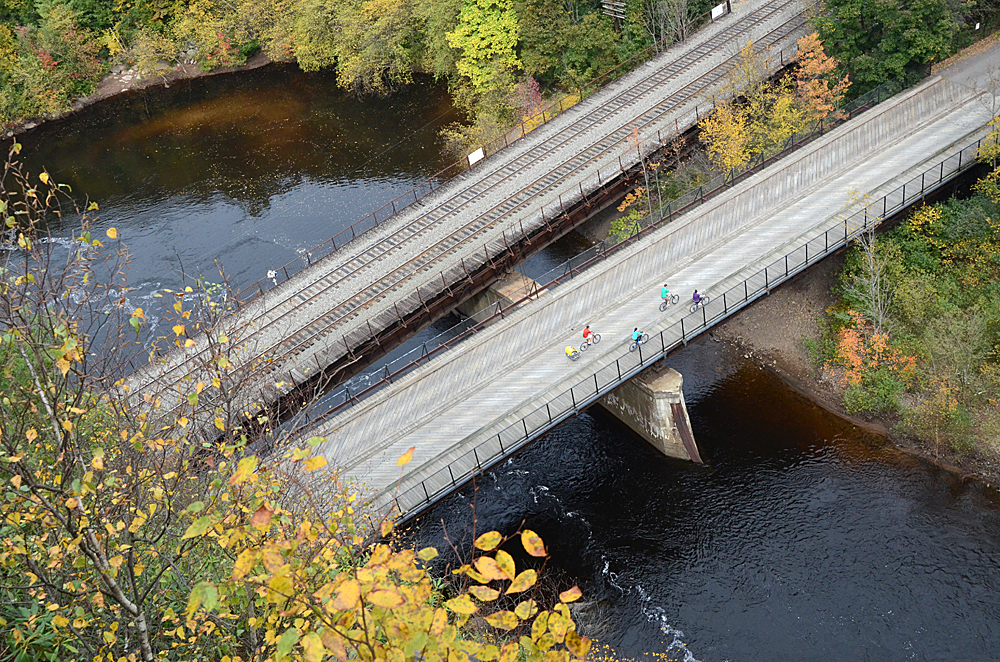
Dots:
pixel 251 169
pixel 802 538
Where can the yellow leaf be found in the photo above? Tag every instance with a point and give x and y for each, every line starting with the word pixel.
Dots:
pixel 31 435
pixel 488 653
pixel 280 588
pixel 461 605
pixel 67 425
pixel 532 543
pixel 312 648
pixel 522 582
pixel 178 329
pixel 333 643
pixel 112 233
pixel 484 593
pixel 510 652
pixel 16 481
pixel 139 313
pixel 182 421
pixel 223 338
pixel 273 561
pixel 314 463
pixel 506 563
pixel 347 595
pixel 71 503
pixel 526 610
pixel 579 646
pixel 116 561
pixel 243 470
pixel 488 541
pixel 427 553
pixel 386 527
pixel 556 656
pixel 44 176
pixel 489 569
pixel 571 595
pixel 244 564
pixel 503 620
pixel 97 463
pixel 385 599
pixel 405 458
pixel 219 423
pixel 189 343
pixel 540 625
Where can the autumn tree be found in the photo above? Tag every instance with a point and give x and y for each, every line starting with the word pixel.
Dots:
pixel 124 540
pixel 818 86
pixel 724 133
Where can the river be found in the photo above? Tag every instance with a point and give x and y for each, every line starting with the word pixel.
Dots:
pixel 251 169
pixel 802 538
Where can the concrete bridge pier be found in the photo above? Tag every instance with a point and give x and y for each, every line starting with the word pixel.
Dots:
pixel 653 405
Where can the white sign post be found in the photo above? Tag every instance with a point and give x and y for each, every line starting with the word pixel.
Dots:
pixel 476 156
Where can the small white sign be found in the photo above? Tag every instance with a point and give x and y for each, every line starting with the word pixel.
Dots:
pixel 476 156
pixel 718 11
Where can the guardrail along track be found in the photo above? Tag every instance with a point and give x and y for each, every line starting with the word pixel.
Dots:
pixel 391 265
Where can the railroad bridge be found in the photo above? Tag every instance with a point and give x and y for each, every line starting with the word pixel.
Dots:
pixel 381 285
pixel 477 403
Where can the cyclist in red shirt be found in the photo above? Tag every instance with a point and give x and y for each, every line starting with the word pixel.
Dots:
pixel 587 334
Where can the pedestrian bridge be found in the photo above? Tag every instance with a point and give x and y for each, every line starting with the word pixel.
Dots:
pixel 475 404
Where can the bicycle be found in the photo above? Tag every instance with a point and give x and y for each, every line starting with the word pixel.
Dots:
pixel 592 340
pixel 641 341
pixel 702 302
pixel 674 299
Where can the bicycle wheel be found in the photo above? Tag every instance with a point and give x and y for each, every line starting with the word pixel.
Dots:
pixel 644 339
pixel 675 298
pixel 663 306
pixel 596 338
pixel 583 347
pixel 705 300
pixel 632 346
pixel 694 307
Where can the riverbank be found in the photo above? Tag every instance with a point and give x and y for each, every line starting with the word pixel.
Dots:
pixel 116 84
pixel 774 333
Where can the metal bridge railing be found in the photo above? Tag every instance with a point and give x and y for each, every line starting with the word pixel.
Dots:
pixel 365 384
pixel 420 493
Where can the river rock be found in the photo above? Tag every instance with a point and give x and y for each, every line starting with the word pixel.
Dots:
pixel 117 68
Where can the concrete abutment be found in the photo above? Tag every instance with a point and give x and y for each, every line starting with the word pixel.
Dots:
pixel 652 404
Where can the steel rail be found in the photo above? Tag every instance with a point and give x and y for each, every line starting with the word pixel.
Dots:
pixel 476 227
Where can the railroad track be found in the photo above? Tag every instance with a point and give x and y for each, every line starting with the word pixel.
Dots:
pixel 406 254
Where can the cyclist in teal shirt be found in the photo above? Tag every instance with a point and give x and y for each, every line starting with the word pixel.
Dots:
pixel 665 294
pixel 636 334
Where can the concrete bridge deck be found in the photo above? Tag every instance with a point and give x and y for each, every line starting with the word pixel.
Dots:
pixel 339 304
pixel 474 394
